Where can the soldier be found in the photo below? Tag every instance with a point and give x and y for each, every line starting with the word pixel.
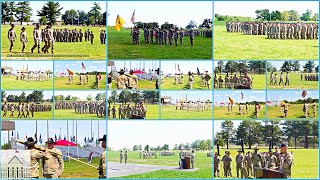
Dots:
pixel 207 78
pixel 132 80
pixel 121 156
pixel 27 110
pixel 50 39
pixel 5 109
pixel 286 161
pixel 281 78
pixel 286 109
pixel 36 38
pixel 287 79
pixel 91 35
pixel 193 159
pixel 53 164
pixel 12 109
pixel 126 157
pixel 248 163
pixel 191 79
pixel 171 32
pixel 101 37
pixel 122 80
pixel 80 35
pixel 239 162
pixel 181 36
pixel 271 161
pixel 227 159
pixel 23 38
pixel 217 161
pixel 114 112
pixel 12 36
pixel 176 36
pixel 98 80
pixel 103 161
pixel 257 160
pixel 305 109
pixel 191 34
pixel 314 108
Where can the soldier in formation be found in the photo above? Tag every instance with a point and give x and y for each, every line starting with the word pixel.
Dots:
pixel 83 107
pixel 227 160
pixel 193 105
pixel 33 76
pixel 244 81
pixel 126 111
pixel 148 154
pixel 217 161
pixel 25 110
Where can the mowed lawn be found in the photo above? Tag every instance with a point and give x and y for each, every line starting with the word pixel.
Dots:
pixel 37 115
pixel 152 111
pixel 295 82
pixel 62 50
pixel 237 46
pixel 169 83
pixel 295 112
pixel 258 80
pixel 70 114
pixel 170 112
pixel 63 83
pixel 202 162
pixel 142 84
pixel 120 46
pixel 306 162
pixel 10 83
pixel 222 113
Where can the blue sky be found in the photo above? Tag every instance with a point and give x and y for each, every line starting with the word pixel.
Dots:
pixel 179 13
pixel 128 133
pixel 75 66
pixel 81 94
pixel 186 66
pixel 46 94
pixel 135 65
pixel 28 128
pixel 292 96
pixel 248 8
pixel 217 125
pixel 32 65
pixel 222 96
pixel 67 5
pixel 191 95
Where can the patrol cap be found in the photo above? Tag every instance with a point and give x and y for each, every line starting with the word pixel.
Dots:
pixel 283 145
pixel 103 139
pixel 23 28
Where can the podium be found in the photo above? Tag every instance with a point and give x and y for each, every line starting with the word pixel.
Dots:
pixel 186 163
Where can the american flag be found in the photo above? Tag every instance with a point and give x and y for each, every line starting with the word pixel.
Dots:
pixel 133 17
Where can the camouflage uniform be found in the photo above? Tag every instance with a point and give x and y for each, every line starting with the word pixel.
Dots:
pixel 103 165
pixel 53 165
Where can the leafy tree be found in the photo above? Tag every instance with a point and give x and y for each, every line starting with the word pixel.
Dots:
pixel 95 13
pixel 50 10
pixel 309 67
pixel 294 15
pixel 207 23
pixel 263 14
pixel 307 15
pixel 89 97
pixel 315 17
pixel 249 132
pixel 285 15
pixel 276 16
pixel 220 67
pixel 23 11
pixel 270 67
pixel 7 11
pixel 192 24
pixel 227 131
pixel 231 67
pixel 296 66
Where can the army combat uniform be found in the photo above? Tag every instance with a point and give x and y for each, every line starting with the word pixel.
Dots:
pixel 103 165
pixel 53 165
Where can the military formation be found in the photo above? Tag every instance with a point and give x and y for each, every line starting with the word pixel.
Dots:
pixel 205 79
pixel 167 153
pixel 276 30
pixel 306 107
pixel 33 76
pixel 24 109
pixel 83 107
pixel 194 105
pixel 244 108
pixel 147 154
pixel 248 164
pixel 169 36
pixel 244 81
pixel 49 36
pixel 84 79
pixel 126 111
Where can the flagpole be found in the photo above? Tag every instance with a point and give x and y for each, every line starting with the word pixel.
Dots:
pixel 98 131
pixel 47 129
pixel 91 129
pixel 68 137
pixel 77 138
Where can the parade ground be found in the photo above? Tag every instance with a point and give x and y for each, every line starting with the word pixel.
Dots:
pixel 162 167
pixel 295 82
pixel 169 83
pixel 295 112
pixel 152 111
pixel 10 83
pixel 120 47
pixel 62 83
pixel 142 84
pixel 258 80
pixel 222 113
pixel 305 162
pixel 70 114
pixel 62 50
pixel 235 46
pixel 170 112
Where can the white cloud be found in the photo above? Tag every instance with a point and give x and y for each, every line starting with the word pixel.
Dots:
pixel 67 65
pixel 93 67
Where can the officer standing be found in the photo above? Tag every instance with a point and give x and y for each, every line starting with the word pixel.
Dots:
pixel 103 165
pixel 286 161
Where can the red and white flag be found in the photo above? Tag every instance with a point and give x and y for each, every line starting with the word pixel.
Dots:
pixel 133 16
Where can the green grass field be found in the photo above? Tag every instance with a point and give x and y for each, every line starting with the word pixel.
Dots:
pixel 222 113
pixel 70 114
pixel 169 83
pixel 259 80
pixel 120 47
pixel 142 84
pixel 170 112
pixel 63 83
pixel 202 162
pixel 235 46
pixel 37 115
pixel 152 112
pixel 306 163
pixel 75 50
pixel 295 112
pixel 10 83
pixel 295 82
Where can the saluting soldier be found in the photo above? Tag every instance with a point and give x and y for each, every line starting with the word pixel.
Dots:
pixel 103 161
pixel 53 164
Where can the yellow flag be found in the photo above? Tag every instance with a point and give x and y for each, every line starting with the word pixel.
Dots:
pixel 119 23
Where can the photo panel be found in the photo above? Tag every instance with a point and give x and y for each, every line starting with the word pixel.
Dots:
pixel 135 32
pixel 266 149
pixel 170 155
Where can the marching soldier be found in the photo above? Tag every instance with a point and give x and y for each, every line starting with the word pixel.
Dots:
pixel 5 109
pixel 12 36
pixel 217 162
pixel 53 164
pixel 103 165
pixel 36 38
pixel 23 38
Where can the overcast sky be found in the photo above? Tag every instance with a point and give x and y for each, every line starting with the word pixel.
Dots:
pixel 129 133
pixel 248 8
pixel 179 13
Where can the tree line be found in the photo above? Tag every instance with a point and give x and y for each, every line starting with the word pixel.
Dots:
pixel 256 132
pixel 35 96
pixel 309 67
pixel 276 15
pixel 50 12
pixel 98 97
pixel 134 97
pixel 206 24
pixel 255 67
